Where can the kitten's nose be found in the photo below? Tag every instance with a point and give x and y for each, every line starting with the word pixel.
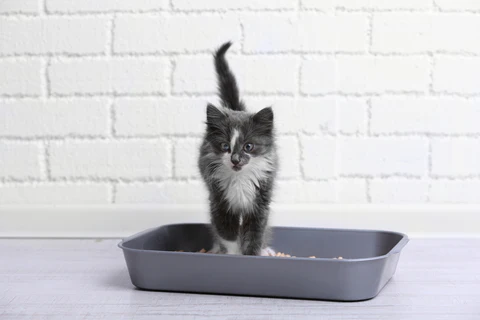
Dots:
pixel 235 159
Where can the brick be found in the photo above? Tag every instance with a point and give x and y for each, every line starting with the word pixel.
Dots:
pixel 79 35
pixel 111 159
pixel 102 75
pixel 289 157
pixel 351 191
pixel 189 5
pixel 320 5
pixel 280 34
pixel 425 115
pixel 50 193
pixel 78 117
pixel 153 117
pixel 19 160
pixel 317 115
pixel 455 157
pixel 169 192
pixel 259 74
pixel 195 75
pixel 351 74
pixel 382 156
pixel 453 32
pixel 23 77
pixel 302 192
pixel 105 5
pixel 318 157
pixel 456 75
pixel 352 115
pixel 340 32
pixel 382 74
pixel 402 32
pixel 309 32
pixel 284 111
pixel 411 33
pixel 318 75
pixel 15 6
pixel 167 33
pixel 460 191
pixel 399 191
pixel 186 151
pixel 458 4
pixel 383 5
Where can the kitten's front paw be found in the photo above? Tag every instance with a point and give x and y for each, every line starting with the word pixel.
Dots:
pixel 267 252
pixel 215 249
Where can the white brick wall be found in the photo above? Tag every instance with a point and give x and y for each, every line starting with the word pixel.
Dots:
pixel 458 5
pixel 351 190
pixel 454 191
pixel 399 190
pixel 170 192
pixel 364 74
pixel 382 5
pixel 318 157
pixel 104 159
pixel 86 6
pixel 185 164
pixel 15 6
pixel 289 152
pixel 217 5
pixel 456 157
pixel 151 34
pixel 459 75
pixel 120 76
pixel 22 77
pixel 155 117
pixel 19 160
pixel 425 116
pixel 309 32
pixel 422 32
pixel 71 35
pixel 259 74
pixel 54 118
pixel 48 193
pixel 375 101
pixel 382 156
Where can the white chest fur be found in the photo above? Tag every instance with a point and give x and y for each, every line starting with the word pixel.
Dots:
pixel 241 187
pixel 240 191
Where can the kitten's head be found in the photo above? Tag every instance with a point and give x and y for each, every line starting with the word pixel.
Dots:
pixel 241 140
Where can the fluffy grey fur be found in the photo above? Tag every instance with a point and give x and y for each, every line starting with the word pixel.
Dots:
pixel 238 162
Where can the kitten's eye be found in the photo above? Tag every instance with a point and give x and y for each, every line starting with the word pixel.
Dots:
pixel 225 147
pixel 248 147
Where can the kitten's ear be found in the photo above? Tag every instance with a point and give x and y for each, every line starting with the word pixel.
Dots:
pixel 264 117
pixel 214 115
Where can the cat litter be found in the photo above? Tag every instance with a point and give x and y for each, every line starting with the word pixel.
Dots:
pixel 278 254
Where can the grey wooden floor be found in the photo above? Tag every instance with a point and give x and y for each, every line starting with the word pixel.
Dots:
pixel 87 279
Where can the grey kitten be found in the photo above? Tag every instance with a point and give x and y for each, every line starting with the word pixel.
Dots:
pixel 238 162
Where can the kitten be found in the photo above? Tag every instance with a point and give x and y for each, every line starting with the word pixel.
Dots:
pixel 238 162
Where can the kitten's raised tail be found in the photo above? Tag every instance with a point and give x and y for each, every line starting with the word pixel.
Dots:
pixel 227 85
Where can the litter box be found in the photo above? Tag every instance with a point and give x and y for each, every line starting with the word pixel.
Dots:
pixel 369 261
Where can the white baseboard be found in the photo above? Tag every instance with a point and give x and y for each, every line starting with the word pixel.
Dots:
pixel 120 221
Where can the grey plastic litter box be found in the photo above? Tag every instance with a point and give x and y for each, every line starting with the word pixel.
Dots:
pixel 369 261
